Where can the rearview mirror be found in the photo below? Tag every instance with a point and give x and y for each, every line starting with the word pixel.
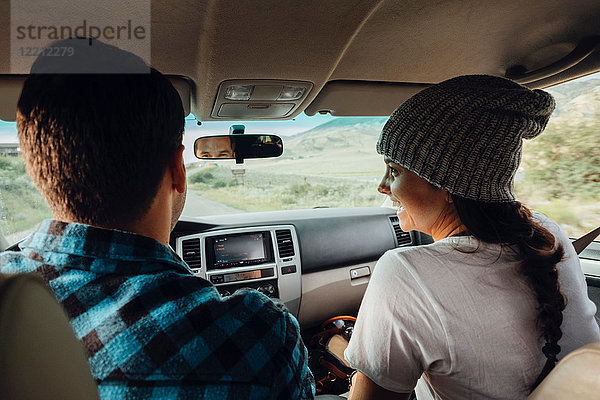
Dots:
pixel 238 147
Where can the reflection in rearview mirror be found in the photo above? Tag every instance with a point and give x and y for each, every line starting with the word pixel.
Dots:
pixel 238 147
pixel 214 147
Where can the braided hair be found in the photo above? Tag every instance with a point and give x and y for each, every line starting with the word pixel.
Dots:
pixel 511 223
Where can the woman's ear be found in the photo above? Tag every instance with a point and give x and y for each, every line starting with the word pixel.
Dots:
pixel 178 173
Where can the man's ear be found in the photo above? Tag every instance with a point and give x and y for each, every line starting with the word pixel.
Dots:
pixel 177 166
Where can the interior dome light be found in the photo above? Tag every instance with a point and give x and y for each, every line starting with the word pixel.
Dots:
pixel 239 92
pixel 292 93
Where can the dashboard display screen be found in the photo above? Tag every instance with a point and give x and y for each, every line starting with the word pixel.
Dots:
pixel 237 250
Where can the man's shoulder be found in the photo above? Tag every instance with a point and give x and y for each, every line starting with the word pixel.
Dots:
pixel 244 337
pixel 12 262
pixel 244 316
pixel 247 307
pixel 253 299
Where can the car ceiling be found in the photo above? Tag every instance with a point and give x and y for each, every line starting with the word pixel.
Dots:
pixel 320 41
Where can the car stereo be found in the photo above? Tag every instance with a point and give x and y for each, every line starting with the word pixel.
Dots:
pixel 236 250
pixel 265 258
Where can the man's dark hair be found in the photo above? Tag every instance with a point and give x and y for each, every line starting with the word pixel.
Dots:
pixel 97 144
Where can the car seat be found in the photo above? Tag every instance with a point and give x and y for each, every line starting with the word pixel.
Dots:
pixel 40 357
pixel 577 376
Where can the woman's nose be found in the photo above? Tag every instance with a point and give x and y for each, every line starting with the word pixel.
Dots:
pixel 384 187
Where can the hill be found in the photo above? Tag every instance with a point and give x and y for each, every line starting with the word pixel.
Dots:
pixel 577 99
pixel 343 147
pixel 341 133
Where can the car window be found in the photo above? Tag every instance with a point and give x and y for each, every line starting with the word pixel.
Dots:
pixel 327 162
pixel 331 162
pixel 22 207
pixel 560 171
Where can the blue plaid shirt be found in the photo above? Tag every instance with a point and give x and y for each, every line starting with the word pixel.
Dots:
pixel 153 330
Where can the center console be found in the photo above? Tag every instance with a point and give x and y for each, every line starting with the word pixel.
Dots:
pixel 263 258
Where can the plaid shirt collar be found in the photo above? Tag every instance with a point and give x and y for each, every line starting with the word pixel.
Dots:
pixel 135 254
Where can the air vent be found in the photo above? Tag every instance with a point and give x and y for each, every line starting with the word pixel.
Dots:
pixel 191 253
pixel 402 238
pixel 285 243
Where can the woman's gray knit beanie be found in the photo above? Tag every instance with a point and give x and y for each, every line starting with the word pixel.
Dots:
pixel 464 135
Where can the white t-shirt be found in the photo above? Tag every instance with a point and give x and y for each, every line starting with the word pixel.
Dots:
pixel 463 322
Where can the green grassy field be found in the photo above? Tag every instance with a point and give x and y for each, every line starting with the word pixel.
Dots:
pixel 262 190
pixel 22 207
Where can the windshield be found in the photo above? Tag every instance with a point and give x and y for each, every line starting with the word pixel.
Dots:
pixel 327 162
pixel 332 162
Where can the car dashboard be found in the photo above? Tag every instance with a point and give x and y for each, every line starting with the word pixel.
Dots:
pixel 317 262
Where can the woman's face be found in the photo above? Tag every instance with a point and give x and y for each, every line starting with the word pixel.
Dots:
pixel 422 206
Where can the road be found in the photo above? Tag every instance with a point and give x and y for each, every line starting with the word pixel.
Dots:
pixel 197 206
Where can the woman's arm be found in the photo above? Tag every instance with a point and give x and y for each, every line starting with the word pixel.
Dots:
pixel 364 388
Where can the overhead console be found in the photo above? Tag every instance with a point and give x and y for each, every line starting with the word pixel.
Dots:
pixel 259 99
pixel 265 258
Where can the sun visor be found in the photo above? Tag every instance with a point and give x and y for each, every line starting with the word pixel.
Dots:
pixel 11 85
pixel 184 87
pixel 359 98
pixel 10 90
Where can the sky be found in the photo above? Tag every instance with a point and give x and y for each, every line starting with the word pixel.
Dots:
pixel 8 132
